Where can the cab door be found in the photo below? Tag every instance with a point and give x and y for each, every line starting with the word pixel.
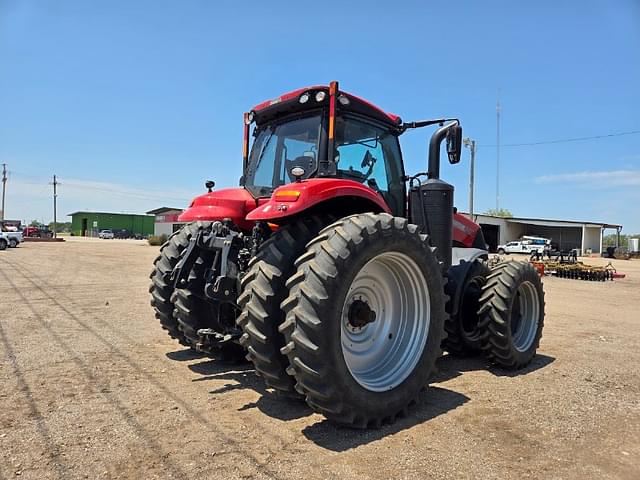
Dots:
pixel 369 153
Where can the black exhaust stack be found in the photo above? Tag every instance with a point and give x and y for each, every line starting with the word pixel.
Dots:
pixel 432 201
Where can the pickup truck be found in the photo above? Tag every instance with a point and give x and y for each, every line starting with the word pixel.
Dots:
pixel 525 245
pixel 13 239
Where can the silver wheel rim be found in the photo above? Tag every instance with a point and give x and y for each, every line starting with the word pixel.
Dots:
pixel 382 354
pixel 525 316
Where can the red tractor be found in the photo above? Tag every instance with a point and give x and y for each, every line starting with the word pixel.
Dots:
pixel 340 277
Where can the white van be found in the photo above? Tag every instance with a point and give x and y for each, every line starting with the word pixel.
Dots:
pixel 526 244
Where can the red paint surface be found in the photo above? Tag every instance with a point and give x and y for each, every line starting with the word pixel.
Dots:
pixel 296 93
pixel 313 192
pixel 464 229
pixel 287 96
pixel 238 205
pixel 233 203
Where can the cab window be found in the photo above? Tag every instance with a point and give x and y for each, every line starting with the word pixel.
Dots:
pixel 369 154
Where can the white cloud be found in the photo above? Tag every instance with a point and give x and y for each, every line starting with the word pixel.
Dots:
pixel 601 179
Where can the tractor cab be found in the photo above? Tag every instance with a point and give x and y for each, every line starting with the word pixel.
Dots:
pixel 319 132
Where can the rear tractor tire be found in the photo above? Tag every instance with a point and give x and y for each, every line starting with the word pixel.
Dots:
pixel 461 326
pixel 364 319
pixel 511 314
pixel 161 287
pixel 263 290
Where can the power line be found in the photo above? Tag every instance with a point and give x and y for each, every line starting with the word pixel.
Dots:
pixel 114 191
pixel 564 140
pixel 126 194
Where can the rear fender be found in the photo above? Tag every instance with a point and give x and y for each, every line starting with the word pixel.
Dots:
pixel 461 262
pixel 465 231
pixel 330 195
pixel 233 203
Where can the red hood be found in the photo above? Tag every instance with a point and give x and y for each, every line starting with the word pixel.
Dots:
pixel 233 203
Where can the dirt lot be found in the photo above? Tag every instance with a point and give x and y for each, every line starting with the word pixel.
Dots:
pixel 92 388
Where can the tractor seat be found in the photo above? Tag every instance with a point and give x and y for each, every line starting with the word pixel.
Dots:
pixel 306 162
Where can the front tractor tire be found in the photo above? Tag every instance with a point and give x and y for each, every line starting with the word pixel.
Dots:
pixel 263 290
pixel 364 319
pixel 161 288
pixel 511 314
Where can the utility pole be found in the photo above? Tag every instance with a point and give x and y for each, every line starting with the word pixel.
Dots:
pixel 498 109
pixel 55 197
pixel 4 186
pixel 471 145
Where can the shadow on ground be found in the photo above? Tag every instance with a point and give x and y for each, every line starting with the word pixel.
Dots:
pixel 449 367
pixel 185 355
pixel 432 402
pixel 242 376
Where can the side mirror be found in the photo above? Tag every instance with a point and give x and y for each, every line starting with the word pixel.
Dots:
pixel 209 184
pixel 454 143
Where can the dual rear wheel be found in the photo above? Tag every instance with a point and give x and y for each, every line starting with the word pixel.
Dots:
pixel 363 321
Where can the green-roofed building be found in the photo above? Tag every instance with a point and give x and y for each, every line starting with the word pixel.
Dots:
pixel 88 224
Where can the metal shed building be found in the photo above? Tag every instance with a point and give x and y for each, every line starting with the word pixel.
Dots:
pixel 90 223
pixel 566 234
pixel 166 220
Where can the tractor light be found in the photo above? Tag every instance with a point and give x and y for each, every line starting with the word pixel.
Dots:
pixel 287 196
pixel 344 100
pixel 320 96
pixel 304 98
pixel 249 118
pixel 297 172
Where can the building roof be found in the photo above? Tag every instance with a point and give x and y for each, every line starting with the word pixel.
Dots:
pixel 106 213
pixel 158 211
pixel 550 222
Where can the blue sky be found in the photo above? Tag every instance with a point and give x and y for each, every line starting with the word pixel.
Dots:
pixel 133 104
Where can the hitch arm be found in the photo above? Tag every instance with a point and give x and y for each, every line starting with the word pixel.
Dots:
pixel 186 262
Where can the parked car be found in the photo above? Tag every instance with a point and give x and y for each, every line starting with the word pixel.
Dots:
pixel 106 234
pixel 123 234
pixel 526 244
pixel 4 241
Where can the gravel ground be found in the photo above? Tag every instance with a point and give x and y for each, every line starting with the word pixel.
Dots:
pixel 92 388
